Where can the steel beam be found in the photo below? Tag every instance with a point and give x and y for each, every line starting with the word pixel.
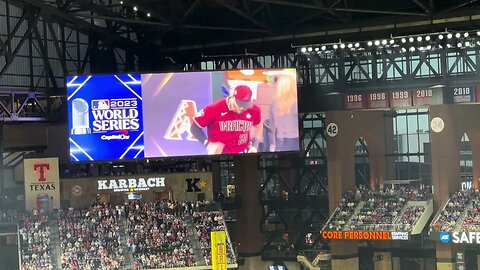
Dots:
pixel 243 14
pixel 60 53
pixel 421 5
pixel 44 54
pixel 23 106
pixel 83 26
pixel 457 6
pixel 353 10
pixel 190 10
pixel 32 25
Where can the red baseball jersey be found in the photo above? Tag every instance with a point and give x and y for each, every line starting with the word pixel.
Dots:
pixel 228 127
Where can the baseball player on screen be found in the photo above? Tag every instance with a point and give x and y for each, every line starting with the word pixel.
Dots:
pixel 229 122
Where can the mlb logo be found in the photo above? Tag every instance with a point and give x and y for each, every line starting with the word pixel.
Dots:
pixel 100 104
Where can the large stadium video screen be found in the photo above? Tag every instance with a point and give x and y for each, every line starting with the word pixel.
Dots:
pixel 130 116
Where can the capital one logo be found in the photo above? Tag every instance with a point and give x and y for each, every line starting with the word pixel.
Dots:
pixel 41 169
pixel 181 121
pixel 444 237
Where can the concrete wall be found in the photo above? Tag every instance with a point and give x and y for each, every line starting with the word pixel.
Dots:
pixel 458 119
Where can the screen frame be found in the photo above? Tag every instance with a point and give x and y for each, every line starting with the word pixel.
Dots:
pixel 212 157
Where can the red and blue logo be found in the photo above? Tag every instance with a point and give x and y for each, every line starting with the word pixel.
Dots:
pixel 100 104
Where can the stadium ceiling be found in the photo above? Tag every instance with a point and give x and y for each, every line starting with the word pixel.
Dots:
pixel 177 27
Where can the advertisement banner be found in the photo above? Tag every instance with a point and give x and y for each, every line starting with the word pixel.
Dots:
pixel 219 250
pixel 467 237
pixel 42 184
pixel 365 235
pixel 105 117
pixel 185 186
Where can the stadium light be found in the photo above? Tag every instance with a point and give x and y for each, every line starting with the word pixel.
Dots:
pixel 417 42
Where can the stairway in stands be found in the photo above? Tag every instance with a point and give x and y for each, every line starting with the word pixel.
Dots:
pixel 194 241
pixel 401 214
pixel 461 219
pixel 357 210
pixel 122 223
pixel 55 244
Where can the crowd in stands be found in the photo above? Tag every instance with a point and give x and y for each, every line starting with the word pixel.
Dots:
pixel 452 212
pixel 206 222
pixel 460 213
pixel 35 242
pixel 158 234
pixel 145 235
pixel 90 238
pixel 471 222
pixel 346 208
pixel 411 215
pixel 380 209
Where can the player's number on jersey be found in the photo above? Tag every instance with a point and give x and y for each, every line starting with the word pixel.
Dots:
pixel 332 130
pixel 242 139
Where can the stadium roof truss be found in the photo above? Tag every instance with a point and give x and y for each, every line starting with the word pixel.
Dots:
pixel 201 24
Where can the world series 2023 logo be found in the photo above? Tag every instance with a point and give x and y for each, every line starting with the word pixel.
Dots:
pixel 115 114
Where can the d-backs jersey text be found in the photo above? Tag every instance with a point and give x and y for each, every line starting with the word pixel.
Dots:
pixel 228 127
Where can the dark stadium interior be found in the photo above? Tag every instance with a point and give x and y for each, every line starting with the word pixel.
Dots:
pixel 388 172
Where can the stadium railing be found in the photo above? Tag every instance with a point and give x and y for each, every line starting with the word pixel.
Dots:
pixel 19 248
